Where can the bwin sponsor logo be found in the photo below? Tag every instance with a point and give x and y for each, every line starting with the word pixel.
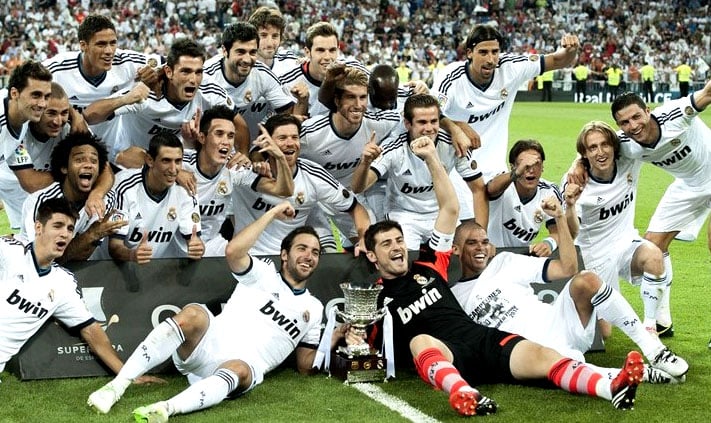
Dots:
pixel 520 233
pixel 26 306
pixel 617 208
pixel 487 115
pixel 427 299
pixel 677 156
pixel 260 204
pixel 289 325
pixel 211 209
pixel 407 189
pixel 153 236
pixel 342 166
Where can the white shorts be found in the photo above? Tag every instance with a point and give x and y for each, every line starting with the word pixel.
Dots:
pixel 682 208
pixel 416 228
pixel 218 345
pixel 561 329
pixel 617 264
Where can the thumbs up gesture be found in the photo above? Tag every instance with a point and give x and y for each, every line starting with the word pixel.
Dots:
pixel 196 248
pixel 143 253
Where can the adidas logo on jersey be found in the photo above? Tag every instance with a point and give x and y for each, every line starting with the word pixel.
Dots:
pixel 517 209
pixel 469 105
pixel 427 299
pixel 26 306
pixel 327 153
pixel 289 325
pixel 407 172
pixel 600 200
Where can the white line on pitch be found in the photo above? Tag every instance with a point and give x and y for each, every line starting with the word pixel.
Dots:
pixel 394 403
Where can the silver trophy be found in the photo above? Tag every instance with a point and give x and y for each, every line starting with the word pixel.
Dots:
pixel 360 311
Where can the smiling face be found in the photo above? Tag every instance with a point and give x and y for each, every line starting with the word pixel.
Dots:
pixel 98 53
pixel 484 57
pixel 600 154
pixel 163 170
pixel 425 122
pixel 287 139
pixel 52 237
pixel 322 53
pixel 389 254
pixel 240 59
pixel 32 100
pixel 55 116
pixel 474 251
pixel 636 122
pixel 301 260
pixel 269 41
pixel 82 170
pixel 185 77
pixel 351 105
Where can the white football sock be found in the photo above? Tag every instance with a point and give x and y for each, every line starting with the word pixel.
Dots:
pixel 664 310
pixel 205 392
pixel 158 346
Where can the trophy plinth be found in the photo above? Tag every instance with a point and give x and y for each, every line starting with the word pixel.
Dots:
pixel 361 362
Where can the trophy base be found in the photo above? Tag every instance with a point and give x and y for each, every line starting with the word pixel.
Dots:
pixel 358 369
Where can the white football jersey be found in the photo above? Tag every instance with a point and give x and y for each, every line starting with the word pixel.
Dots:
pixel 408 180
pixel 284 60
pixel 299 72
pixel 12 148
pixel 40 151
pixel 138 122
pixel 82 91
pixel 514 223
pixel 313 187
pixel 606 211
pixel 260 92
pixel 34 200
pixel 683 147
pixel 502 296
pixel 214 194
pixel 276 318
pixel 168 220
pixel 30 296
pixel 487 109
pixel 340 156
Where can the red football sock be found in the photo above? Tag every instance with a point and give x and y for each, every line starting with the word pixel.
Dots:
pixel 575 376
pixel 434 368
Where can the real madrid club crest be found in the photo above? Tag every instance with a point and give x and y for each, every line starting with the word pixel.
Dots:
pixel 504 93
pixel 248 96
pixel 675 142
pixel 172 214
pixel 300 198
pixel 538 216
pixel 689 111
pixel 195 217
pixel 114 89
pixel 533 57
pixel 474 164
pixel 222 188
pixel 306 316
pixel 630 180
pixel 421 280
pixel 152 62
pixel 50 295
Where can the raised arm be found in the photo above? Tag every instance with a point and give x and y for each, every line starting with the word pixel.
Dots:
pixel 567 263
pixel 702 97
pixel 565 55
pixel 364 177
pixel 237 250
pixel 448 214
pixel 100 110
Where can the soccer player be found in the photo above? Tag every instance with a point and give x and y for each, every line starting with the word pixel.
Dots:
pixel 321 50
pixel 337 139
pixel 163 219
pixel 673 138
pixel 314 188
pixel 479 93
pixel 515 216
pixel 411 199
pixel 24 100
pixel 609 243
pixel 270 24
pixel 496 292
pixel 251 85
pixel 29 276
pixel 215 180
pixel 182 99
pixel 76 165
pixel 451 351
pixel 100 69
pixel 227 355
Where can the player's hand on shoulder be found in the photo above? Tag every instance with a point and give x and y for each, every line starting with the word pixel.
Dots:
pixel 187 180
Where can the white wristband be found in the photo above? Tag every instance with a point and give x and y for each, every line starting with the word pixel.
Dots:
pixel 551 242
